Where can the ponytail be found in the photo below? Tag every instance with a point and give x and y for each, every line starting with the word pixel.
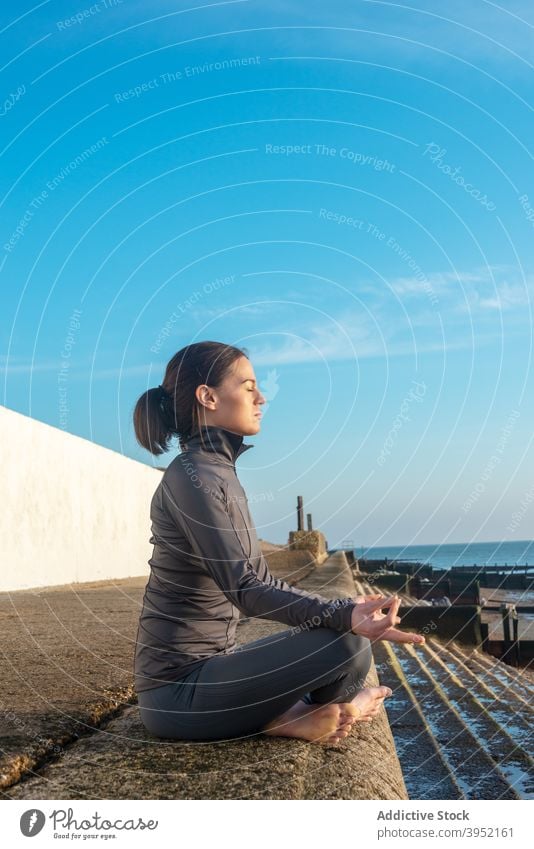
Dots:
pixel 151 421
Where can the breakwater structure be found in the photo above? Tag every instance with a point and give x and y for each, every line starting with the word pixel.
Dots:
pixel 307 539
pixel 489 605
pixel 455 708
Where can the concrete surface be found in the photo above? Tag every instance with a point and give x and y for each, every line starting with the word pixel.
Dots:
pixel 68 656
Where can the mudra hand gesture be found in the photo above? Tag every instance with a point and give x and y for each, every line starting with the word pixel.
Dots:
pixel 369 621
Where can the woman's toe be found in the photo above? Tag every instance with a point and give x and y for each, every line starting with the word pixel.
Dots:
pixel 339 734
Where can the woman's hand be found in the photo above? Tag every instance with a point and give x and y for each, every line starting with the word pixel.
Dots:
pixel 368 620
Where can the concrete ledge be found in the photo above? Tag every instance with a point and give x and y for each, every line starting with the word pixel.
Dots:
pixel 293 566
pixel 119 759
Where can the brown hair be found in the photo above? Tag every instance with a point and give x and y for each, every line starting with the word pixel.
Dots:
pixel 172 408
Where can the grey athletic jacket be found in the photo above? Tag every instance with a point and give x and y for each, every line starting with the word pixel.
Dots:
pixel 207 566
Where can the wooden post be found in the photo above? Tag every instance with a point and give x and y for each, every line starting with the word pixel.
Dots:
pixel 515 626
pixel 300 514
pixel 309 518
pixel 505 613
pixel 509 614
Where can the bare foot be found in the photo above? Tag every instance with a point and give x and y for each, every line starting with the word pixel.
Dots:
pixel 328 723
pixel 368 703
pixel 363 708
pixel 315 723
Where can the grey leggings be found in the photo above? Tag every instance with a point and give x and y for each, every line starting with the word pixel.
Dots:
pixel 237 694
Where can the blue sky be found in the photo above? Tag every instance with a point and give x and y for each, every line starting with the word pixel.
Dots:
pixel 345 191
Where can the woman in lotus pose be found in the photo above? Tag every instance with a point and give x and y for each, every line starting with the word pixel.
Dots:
pixel 193 682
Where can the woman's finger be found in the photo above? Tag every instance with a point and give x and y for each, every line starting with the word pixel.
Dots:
pixel 364 599
pixel 376 621
pixel 378 604
pixel 391 616
pixel 393 635
pixel 378 627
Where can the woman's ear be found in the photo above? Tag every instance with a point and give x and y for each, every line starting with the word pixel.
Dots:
pixel 206 396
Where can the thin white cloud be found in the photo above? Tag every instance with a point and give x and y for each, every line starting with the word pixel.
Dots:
pixel 295 352
pixel 21 366
pixel 412 32
pixel 492 288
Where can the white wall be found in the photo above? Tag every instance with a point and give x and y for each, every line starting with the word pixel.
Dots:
pixel 70 510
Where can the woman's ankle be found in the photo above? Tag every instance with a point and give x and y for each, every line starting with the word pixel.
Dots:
pixel 296 710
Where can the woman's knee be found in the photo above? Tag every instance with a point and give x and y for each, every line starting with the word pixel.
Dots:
pixel 346 649
pixel 356 651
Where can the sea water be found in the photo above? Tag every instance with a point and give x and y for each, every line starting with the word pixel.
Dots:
pixel 468 554
pixel 510 553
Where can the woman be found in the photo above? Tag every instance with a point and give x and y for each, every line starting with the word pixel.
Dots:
pixel 192 681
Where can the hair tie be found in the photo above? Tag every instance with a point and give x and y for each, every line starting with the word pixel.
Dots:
pixel 163 391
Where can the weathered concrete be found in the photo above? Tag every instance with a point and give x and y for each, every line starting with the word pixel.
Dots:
pixel 313 541
pixel 74 652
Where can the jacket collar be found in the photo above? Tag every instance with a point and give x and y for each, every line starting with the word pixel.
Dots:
pixel 218 440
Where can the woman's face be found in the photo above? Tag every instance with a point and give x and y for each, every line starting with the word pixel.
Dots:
pixel 235 404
